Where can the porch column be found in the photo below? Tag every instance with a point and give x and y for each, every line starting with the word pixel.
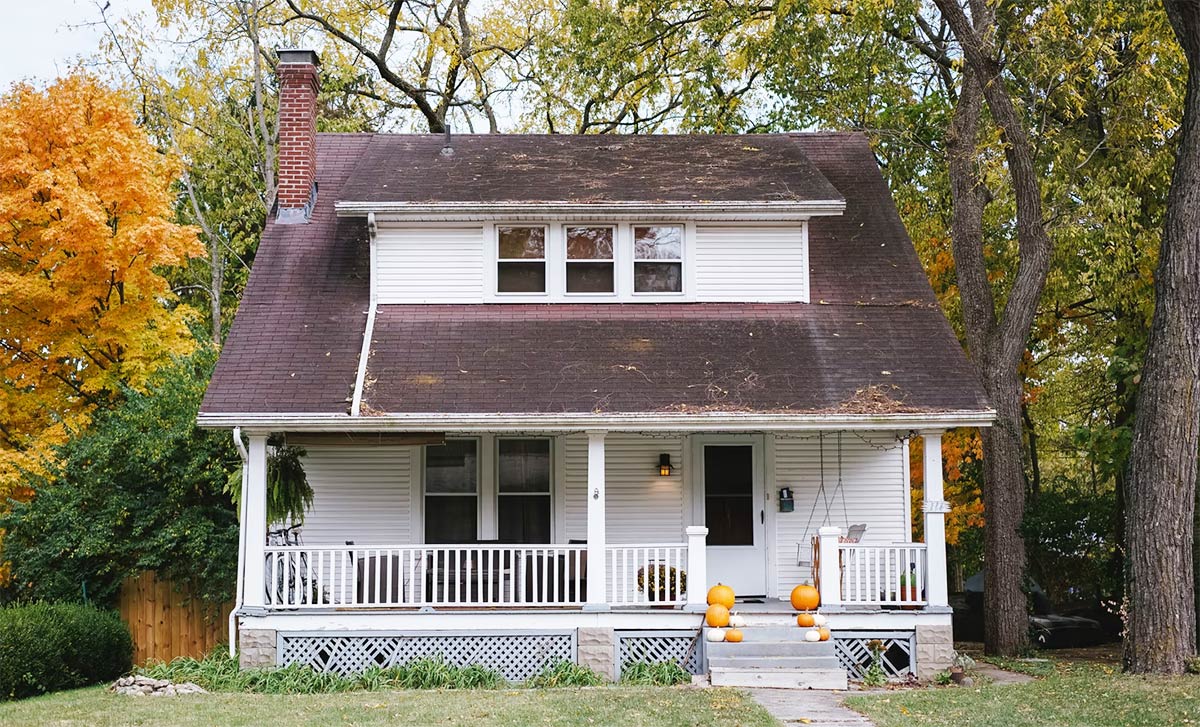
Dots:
pixel 697 569
pixel 935 507
pixel 829 570
pixel 596 535
pixel 255 525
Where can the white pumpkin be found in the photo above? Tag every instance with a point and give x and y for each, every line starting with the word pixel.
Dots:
pixel 717 635
pixel 737 621
pixel 812 635
pixel 819 620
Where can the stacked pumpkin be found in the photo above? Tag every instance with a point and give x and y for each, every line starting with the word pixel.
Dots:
pixel 806 599
pixel 724 625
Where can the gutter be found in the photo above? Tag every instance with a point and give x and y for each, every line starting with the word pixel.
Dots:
pixel 663 422
pixel 240 589
pixel 488 210
pixel 364 353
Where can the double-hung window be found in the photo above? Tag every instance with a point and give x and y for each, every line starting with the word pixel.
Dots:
pixel 523 490
pixel 590 259
pixel 452 492
pixel 657 259
pixel 521 260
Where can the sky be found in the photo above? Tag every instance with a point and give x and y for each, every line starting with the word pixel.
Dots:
pixel 41 39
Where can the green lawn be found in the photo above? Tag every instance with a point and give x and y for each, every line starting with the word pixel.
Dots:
pixel 1067 695
pixel 618 706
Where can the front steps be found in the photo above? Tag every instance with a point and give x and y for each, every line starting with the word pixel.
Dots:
pixel 774 656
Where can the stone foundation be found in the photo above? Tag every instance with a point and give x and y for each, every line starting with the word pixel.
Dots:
pixel 598 651
pixel 256 648
pixel 935 649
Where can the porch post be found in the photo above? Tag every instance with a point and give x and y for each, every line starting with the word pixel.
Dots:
pixel 255 525
pixel 830 569
pixel 935 507
pixel 697 569
pixel 597 566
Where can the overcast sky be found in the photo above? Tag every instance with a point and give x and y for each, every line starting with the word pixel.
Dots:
pixel 41 39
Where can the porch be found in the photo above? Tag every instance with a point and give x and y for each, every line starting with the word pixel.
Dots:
pixel 634 527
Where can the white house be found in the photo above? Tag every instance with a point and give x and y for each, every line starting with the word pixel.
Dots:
pixel 541 380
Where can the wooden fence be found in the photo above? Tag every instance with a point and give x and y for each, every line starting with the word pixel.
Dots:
pixel 166 622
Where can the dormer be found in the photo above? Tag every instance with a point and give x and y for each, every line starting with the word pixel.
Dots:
pixel 588 219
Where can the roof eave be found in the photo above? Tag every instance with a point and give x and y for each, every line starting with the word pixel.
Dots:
pixel 385 211
pixel 674 421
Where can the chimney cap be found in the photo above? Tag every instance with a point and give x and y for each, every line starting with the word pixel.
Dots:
pixel 298 55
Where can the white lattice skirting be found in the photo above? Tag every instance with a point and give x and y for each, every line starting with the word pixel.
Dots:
pixel 680 647
pixel 517 656
pixel 854 652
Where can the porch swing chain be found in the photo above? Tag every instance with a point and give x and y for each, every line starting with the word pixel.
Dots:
pixel 822 493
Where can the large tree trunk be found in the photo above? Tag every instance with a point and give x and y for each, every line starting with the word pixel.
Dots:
pixel 996 341
pixel 1161 621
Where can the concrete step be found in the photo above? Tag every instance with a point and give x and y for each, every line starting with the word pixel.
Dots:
pixel 779 678
pixel 774 633
pixel 773 662
pixel 771 648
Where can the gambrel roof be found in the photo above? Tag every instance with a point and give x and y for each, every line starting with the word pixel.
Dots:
pixel 872 340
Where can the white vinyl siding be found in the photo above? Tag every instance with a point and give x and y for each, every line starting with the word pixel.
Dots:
pixel 757 263
pixel 642 506
pixel 360 492
pixel 430 264
pixel 873 492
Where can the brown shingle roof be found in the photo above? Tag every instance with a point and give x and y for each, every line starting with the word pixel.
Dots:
pixel 588 169
pixel 294 347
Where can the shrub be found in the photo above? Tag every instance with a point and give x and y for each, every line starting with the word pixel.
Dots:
pixel 1192 665
pixel 218 673
pixel 655 674
pixel 565 674
pixel 50 647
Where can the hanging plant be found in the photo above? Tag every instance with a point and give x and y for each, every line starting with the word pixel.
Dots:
pixel 289 495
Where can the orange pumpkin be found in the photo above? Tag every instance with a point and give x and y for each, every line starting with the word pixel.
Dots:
pixel 824 634
pixel 733 636
pixel 720 595
pixel 805 598
pixel 805 620
pixel 717 616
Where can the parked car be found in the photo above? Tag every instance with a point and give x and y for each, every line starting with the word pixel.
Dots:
pixel 1047 629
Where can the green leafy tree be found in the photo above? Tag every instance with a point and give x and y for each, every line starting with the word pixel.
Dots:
pixel 141 489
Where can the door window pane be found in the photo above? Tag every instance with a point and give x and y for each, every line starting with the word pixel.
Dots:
pixel 658 259
pixel 521 259
pixel 729 494
pixel 451 492
pixel 523 481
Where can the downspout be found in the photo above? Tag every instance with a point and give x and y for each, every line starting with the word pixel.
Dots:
pixel 365 353
pixel 241 561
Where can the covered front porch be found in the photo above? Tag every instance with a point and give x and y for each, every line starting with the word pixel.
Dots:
pixel 517 525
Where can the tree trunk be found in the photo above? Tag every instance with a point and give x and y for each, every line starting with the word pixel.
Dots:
pixel 1161 620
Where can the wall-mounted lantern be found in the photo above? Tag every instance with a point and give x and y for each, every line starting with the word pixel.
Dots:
pixel 787 503
pixel 664 465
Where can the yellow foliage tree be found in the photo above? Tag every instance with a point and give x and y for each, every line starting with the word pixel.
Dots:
pixel 86 209
pixel 961 485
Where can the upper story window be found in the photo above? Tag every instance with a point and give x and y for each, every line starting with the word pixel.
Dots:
pixel 658 259
pixel 590 267
pixel 521 260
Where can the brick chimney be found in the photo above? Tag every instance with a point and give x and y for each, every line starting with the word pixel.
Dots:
pixel 299 81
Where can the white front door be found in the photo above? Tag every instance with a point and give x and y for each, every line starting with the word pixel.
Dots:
pixel 734 511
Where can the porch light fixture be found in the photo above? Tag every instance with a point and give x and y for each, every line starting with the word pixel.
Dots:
pixel 664 465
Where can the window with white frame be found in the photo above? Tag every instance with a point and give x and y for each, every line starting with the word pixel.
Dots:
pixel 657 259
pixel 589 264
pixel 523 507
pixel 521 259
pixel 452 492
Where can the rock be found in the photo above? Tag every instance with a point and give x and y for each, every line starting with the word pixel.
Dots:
pixel 967 682
pixel 141 686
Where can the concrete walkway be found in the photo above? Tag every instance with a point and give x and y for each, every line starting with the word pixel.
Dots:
pixel 809 708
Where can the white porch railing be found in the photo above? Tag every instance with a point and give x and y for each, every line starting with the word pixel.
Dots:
pixel 300 577
pixel 647 574
pixel 883 575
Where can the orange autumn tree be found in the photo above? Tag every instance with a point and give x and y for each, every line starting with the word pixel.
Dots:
pixel 86 209
pixel 960 448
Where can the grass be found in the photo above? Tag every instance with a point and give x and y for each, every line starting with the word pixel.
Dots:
pixel 1065 694
pixel 625 706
